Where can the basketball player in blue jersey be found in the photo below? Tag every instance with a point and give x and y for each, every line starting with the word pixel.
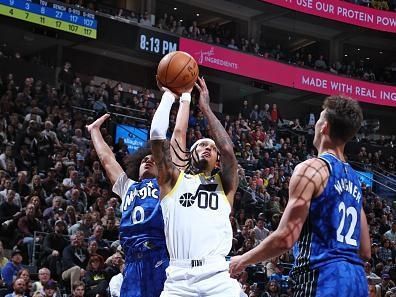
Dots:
pixel 324 216
pixel 141 227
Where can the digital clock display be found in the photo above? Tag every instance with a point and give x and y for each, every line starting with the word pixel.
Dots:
pixel 156 42
pixel 52 14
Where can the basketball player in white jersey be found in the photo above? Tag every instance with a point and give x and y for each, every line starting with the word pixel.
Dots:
pixel 196 205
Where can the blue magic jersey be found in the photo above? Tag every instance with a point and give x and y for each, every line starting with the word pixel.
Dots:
pixel 142 225
pixel 331 232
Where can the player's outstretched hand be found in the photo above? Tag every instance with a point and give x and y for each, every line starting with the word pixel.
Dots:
pixel 204 98
pixel 98 122
pixel 165 89
pixel 236 266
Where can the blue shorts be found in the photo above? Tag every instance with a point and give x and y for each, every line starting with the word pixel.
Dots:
pixel 338 279
pixel 144 273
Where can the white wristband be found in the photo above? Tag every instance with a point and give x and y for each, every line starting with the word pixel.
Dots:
pixel 185 97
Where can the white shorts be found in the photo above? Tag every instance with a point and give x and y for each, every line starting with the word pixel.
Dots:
pixel 210 279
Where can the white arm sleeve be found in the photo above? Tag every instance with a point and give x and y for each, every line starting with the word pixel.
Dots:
pixel 160 122
pixel 121 187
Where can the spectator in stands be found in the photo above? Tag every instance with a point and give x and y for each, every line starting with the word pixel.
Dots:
pixel 115 283
pixel 275 115
pixel 386 283
pixel 260 231
pixel 10 270
pixel 232 44
pixel 44 275
pixel 75 260
pixel 272 266
pixel 245 111
pixel 75 200
pixel 52 249
pixel 66 78
pixel 103 245
pixel 19 287
pixel 110 231
pixel 385 252
pixel 25 275
pixel 96 279
pixel 145 20
pixel 81 142
pixel 320 63
pixel 391 234
pixel 272 289
pixel 27 225
pixel 8 188
pixel 78 289
pixel 50 289
pixel 49 212
pixel 36 188
pixel 7 155
pixel 9 212
pixel 20 185
pixel 114 264
pixel 3 258
pixel 48 131
pixel 132 17
pixel 84 225
pixel 72 180
pixel 92 247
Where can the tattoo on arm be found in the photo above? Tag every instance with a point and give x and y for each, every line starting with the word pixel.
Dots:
pixel 229 164
pixel 163 160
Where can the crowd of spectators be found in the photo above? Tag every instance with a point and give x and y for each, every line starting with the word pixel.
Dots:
pixel 218 35
pixel 58 213
pixel 376 4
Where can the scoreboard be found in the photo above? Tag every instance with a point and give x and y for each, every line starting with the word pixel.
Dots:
pixel 52 14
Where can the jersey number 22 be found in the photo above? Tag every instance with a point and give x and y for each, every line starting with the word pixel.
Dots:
pixel 345 214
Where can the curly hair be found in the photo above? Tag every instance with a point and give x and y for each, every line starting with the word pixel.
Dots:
pixel 344 116
pixel 132 162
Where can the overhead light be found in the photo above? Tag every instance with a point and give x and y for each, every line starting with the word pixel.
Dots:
pixel 381 52
pixel 197 14
pixel 358 49
pixel 368 58
pixel 346 55
pixel 174 8
pixel 180 20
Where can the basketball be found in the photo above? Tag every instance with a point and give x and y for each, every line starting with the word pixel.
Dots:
pixel 178 71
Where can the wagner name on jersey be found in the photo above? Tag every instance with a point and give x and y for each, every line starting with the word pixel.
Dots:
pixel 331 232
pixel 141 225
pixel 196 216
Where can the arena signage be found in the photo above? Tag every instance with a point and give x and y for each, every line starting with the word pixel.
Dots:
pixel 238 63
pixel 344 12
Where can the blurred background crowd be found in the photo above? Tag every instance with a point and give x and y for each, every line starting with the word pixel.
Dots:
pixel 59 218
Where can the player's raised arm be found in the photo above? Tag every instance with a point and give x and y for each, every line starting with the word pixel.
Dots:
pixel 229 164
pixel 106 156
pixel 306 182
pixel 178 140
pixel 160 146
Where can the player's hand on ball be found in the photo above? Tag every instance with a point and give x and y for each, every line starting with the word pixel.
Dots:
pixel 164 89
pixel 236 266
pixel 98 122
pixel 204 98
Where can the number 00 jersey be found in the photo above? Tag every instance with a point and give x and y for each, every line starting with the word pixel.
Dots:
pixel 141 226
pixel 331 232
pixel 196 216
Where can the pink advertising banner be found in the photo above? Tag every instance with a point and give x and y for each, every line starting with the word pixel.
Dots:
pixel 344 12
pixel 286 75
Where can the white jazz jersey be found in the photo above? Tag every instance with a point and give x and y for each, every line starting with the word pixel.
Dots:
pixel 196 216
